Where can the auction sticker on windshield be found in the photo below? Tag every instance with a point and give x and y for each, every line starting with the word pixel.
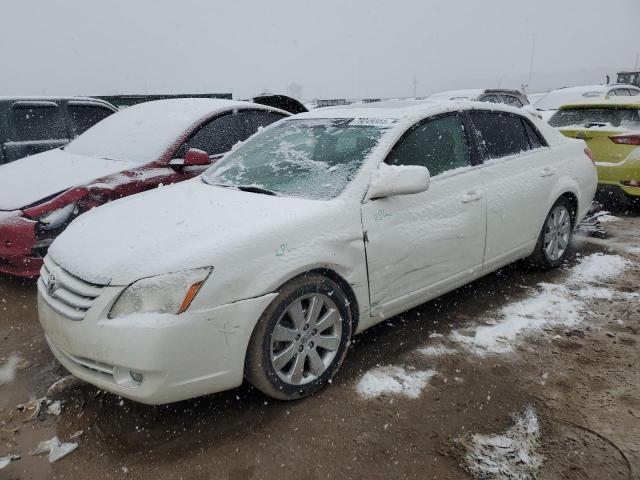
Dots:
pixel 372 122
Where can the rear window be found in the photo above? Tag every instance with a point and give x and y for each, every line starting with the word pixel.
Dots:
pixel 605 117
pixel 39 122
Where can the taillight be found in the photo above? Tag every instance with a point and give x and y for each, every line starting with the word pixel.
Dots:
pixel 589 153
pixel 626 139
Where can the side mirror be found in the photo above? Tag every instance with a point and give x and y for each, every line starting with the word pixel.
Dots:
pixel 389 181
pixel 192 158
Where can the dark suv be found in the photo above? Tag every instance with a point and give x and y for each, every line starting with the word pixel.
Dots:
pixel 30 125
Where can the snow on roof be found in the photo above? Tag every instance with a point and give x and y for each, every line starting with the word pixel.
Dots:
pixel 143 132
pixel 633 101
pixel 469 93
pixel 397 109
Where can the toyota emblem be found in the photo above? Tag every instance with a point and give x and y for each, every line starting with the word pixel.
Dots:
pixel 51 284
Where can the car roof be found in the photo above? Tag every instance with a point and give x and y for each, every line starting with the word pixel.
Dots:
pixel 50 98
pixel 398 109
pixel 196 108
pixel 467 93
pixel 633 102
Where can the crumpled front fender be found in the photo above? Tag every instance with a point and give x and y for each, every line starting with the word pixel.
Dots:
pixel 17 234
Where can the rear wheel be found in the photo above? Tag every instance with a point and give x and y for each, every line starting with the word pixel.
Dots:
pixel 555 237
pixel 301 339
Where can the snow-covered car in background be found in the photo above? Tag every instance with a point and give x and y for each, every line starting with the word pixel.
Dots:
pixel 551 101
pixel 315 229
pixel 133 150
pixel 513 98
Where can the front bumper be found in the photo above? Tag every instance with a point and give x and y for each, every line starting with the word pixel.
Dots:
pixel 17 239
pixel 179 356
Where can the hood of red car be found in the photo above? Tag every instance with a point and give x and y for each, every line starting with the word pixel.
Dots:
pixel 29 180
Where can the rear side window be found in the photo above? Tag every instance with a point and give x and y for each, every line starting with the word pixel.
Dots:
pixel 491 99
pixel 219 135
pixel 439 144
pixel 500 134
pixel 262 119
pixel 83 117
pixel 535 139
pixel 39 122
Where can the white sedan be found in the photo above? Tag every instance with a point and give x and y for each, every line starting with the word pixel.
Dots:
pixel 313 230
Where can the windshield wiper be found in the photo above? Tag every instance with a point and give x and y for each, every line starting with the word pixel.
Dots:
pixel 255 189
pixel 244 188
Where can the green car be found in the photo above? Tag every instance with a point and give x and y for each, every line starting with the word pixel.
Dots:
pixel 611 129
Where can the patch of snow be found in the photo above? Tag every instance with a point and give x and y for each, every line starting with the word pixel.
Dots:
pixel 8 370
pixel 54 408
pixel 553 304
pixel 598 267
pixel 606 218
pixel 393 380
pixel 5 461
pixel 512 455
pixel 436 351
pixel 54 448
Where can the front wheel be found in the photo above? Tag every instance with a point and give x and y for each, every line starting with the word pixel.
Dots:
pixel 301 339
pixel 555 237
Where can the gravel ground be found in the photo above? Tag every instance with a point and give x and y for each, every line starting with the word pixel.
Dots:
pixel 433 393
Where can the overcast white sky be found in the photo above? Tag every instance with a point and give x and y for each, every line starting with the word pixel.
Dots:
pixel 333 48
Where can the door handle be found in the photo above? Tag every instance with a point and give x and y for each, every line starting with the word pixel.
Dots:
pixel 472 196
pixel 547 172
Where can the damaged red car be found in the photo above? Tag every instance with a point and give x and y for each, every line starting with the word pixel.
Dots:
pixel 136 149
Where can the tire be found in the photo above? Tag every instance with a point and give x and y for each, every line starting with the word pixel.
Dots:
pixel 291 355
pixel 557 227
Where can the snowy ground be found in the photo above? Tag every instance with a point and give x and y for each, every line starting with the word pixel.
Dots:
pixel 520 375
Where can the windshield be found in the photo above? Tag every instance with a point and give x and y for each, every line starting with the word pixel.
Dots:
pixel 141 133
pixel 314 159
pixel 615 117
pixel 554 100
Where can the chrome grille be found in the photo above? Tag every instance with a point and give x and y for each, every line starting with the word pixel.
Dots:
pixel 70 296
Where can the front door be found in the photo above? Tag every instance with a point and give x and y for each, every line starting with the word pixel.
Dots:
pixel 422 245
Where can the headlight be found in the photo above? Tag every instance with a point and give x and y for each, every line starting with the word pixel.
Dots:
pixel 57 217
pixel 170 293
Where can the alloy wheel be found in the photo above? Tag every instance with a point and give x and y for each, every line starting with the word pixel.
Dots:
pixel 305 339
pixel 557 233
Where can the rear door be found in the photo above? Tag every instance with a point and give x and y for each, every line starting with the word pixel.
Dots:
pixel 424 244
pixel 38 126
pixel 518 176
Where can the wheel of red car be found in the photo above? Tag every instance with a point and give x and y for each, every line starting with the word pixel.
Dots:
pixel 301 339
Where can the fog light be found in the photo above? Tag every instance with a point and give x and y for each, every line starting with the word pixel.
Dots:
pixel 136 376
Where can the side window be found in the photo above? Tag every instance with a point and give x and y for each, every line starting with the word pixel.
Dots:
pixel 39 122
pixel 83 117
pixel 535 139
pixel 257 119
pixel 491 98
pixel 439 144
pixel 218 136
pixel 633 92
pixel 513 101
pixel 500 134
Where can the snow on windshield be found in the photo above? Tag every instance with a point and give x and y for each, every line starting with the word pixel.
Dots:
pixel 141 133
pixel 313 159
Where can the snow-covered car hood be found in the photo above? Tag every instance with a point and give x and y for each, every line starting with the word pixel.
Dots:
pixel 175 228
pixel 28 180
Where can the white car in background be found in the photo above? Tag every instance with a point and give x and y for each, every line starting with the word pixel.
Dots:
pixel 313 230
pixel 549 103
